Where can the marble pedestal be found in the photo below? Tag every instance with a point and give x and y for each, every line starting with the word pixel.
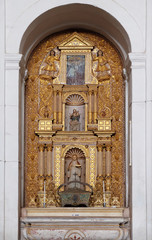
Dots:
pixel 75 223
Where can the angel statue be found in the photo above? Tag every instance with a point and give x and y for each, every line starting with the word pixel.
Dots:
pixel 103 71
pixel 50 69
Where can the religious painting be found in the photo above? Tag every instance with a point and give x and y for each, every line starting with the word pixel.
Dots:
pixel 75 69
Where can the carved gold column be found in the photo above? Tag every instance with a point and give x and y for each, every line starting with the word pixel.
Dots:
pixel 63 116
pixel 60 107
pixel 104 161
pixel 41 165
pixel 90 113
pixel 108 176
pixel 86 115
pixel 95 106
pixel 108 160
pixel 55 114
pixel 49 160
pixel 45 161
pixel 87 171
pixel 41 160
pixel 100 161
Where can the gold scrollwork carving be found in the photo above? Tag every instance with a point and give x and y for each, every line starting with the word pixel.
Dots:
pixel 92 165
pixel 57 166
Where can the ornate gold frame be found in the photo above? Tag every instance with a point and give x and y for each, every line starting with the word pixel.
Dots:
pixel 63 66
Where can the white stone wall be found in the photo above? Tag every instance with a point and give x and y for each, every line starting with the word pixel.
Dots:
pixel 135 17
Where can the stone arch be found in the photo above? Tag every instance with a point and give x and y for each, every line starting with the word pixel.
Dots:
pixel 111 22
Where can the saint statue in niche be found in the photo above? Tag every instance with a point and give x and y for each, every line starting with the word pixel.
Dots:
pixel 50 67
pixel 74 121
pixel 74 172
pixel 103 71
pixel 75 69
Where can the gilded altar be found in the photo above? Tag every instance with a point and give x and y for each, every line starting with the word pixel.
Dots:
pixel 74 106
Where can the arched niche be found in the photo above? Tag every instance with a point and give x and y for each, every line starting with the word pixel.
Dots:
pixel 75 113
pixel 75 173
pixel 83 155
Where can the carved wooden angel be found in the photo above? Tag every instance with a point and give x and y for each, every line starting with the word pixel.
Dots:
pixel 50 68
pixel 102 69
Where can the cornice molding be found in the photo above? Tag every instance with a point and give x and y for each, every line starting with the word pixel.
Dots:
pixel 138 60
pixel 12 61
